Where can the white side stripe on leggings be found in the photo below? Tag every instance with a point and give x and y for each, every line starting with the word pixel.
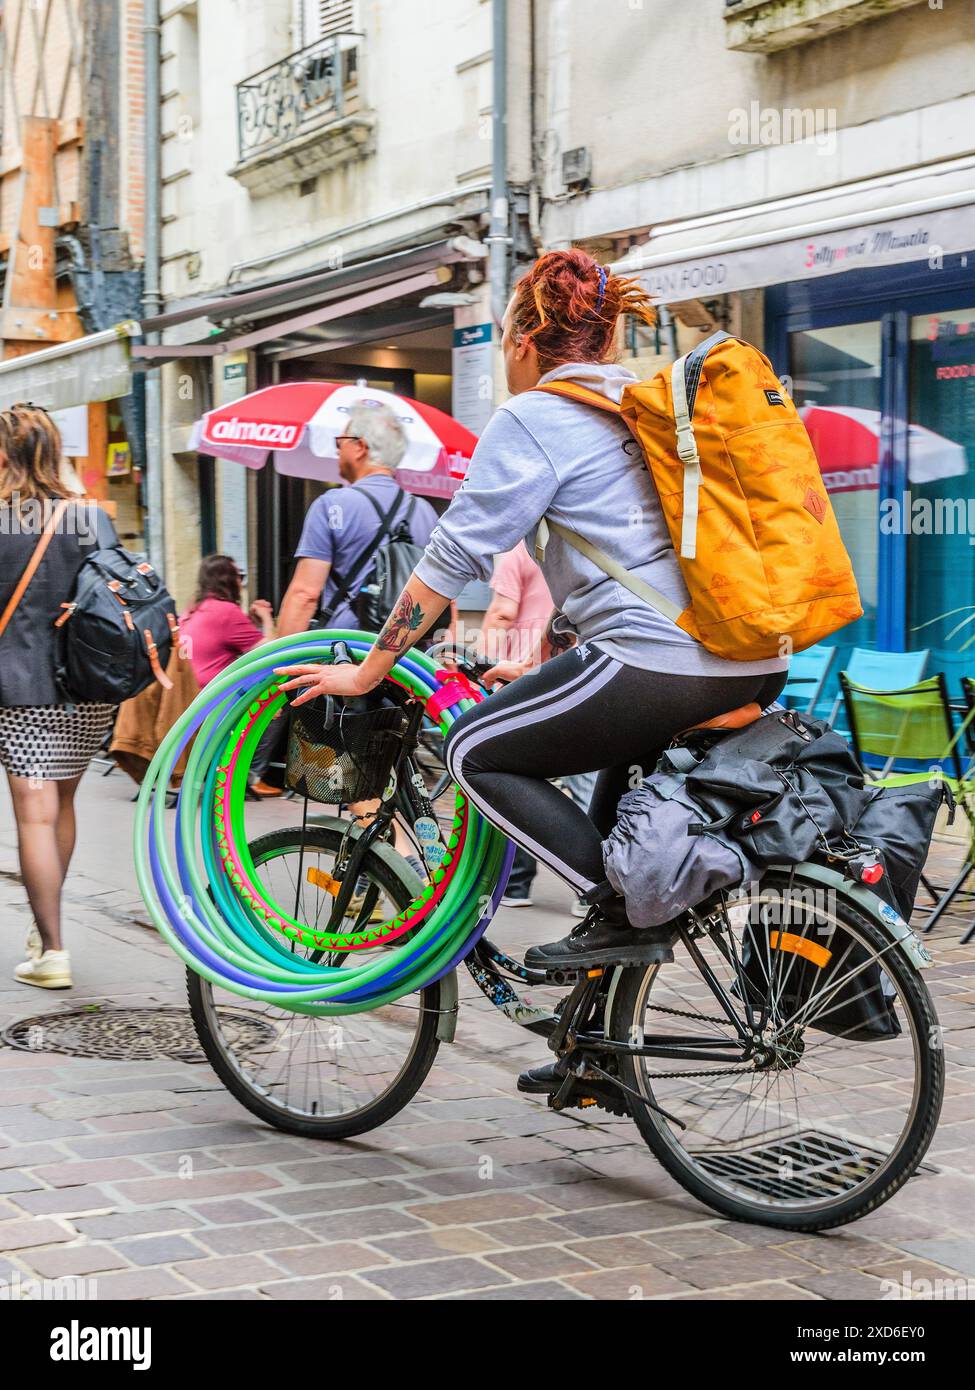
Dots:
pixel 531 712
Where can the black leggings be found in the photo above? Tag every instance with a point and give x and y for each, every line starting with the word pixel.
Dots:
pixel 581 712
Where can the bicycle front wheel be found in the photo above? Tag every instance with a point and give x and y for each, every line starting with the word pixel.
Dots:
pixel 326 1077
pixel 790 1092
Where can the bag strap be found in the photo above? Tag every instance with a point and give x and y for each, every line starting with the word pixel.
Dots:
pixel 577 392
pixel 609 566
pixel 30 569
pixel 344 586
pixel 685 377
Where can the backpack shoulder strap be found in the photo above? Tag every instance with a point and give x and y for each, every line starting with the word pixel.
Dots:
pixel 30 569
pixel 576 392
pixel 607 564
pixel 344 586
pixel 685 377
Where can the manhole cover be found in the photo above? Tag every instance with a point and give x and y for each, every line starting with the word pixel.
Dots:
pixel 133 1035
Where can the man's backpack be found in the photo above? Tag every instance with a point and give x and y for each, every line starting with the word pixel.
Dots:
pixel 743 498
pixel 395 556
pixel 116 633
pixel 396 559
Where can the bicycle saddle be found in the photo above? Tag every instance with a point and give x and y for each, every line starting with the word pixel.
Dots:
pixel 733 719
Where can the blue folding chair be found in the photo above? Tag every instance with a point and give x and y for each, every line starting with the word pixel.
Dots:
pixel 807 676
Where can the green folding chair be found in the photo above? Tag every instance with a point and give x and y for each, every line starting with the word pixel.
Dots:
pixel 915 724
pixel 876 670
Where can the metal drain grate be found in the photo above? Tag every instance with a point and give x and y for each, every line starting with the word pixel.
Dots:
pixel 133 1035
pixel 804 1165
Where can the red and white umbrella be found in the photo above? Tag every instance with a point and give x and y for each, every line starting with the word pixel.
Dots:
pixel 298 423
pixel 847 444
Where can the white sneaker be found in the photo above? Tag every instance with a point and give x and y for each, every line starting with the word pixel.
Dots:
pixel 579 908
pixel 33 945
pixel 515 902
pixel 52 970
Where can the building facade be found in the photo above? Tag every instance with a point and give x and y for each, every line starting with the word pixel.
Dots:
pixel 72 213
pixel 802 172
pixel 326 178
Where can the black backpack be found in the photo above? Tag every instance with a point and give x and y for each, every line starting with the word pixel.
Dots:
pixel 116 633
pixel 396 559
pixel 395 555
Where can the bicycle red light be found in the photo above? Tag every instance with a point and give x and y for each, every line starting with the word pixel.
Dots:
pixel 872 873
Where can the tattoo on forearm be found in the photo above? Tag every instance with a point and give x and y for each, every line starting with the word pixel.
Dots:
pixel 400 626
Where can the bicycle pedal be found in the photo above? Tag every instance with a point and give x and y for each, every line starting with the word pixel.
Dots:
pixel 589 1097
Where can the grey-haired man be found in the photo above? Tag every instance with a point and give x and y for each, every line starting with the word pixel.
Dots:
pixel 343 523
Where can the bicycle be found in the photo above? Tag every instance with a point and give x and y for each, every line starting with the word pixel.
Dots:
pixel 729 1067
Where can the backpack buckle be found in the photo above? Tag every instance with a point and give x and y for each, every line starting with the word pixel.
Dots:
pixel 686 444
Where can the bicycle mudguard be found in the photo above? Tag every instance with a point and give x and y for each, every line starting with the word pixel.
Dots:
pixel 887 918
pixel 449 1005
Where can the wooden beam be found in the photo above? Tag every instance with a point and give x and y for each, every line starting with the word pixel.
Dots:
pixel 30 298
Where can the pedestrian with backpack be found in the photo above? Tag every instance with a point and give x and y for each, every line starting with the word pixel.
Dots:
pixel 606 478
pixel 349 531
pixel 46 741
pixel 359 545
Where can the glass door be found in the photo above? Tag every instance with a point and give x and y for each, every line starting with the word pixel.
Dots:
pixel 837 385
pixel 937 509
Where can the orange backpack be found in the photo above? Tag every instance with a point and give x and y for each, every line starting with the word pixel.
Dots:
pixel 743 498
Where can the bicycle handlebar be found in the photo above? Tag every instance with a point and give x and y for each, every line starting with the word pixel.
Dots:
pixel 468 664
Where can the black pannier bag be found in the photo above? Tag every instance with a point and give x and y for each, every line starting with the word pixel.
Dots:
pixel 116 634
pixel 898 823
pixel 860 1010
pixel 723 806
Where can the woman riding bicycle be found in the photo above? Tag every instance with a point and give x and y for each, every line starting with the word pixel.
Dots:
pixel 613 702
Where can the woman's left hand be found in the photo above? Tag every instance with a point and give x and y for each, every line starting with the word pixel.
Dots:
pixel 312 681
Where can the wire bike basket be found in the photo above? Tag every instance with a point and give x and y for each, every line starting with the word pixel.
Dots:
pixel 342 756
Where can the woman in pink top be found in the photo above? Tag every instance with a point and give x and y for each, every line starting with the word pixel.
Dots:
pixel 214 631
pixel 520 609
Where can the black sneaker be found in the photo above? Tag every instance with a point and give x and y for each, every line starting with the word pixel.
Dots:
pixel 600 940
pixel 547 1080
pixel 542 1081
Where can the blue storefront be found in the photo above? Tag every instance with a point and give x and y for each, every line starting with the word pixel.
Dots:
pixel 882 364
pixel 863 297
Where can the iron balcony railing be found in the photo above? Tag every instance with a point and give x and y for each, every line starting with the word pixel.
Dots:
pixel 306 89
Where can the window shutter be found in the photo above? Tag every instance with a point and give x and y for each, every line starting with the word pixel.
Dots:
pixel 323 18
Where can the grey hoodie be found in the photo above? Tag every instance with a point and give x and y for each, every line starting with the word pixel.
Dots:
pixel 543 455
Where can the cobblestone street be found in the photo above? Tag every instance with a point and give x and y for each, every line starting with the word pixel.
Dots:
pixel 148 1179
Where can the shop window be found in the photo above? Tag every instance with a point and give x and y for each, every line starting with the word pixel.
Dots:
pixel 937 511
pixel 836 385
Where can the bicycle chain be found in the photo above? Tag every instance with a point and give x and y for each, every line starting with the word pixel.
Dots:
pixel 681 1075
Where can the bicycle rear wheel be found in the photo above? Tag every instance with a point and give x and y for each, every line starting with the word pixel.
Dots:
pixel 810 1126
pixel 326 1077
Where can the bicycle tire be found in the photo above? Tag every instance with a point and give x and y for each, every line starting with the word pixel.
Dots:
pixel 866 1197
pixel 401 884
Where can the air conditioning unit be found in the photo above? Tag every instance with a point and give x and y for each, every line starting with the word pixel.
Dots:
pixel 577 167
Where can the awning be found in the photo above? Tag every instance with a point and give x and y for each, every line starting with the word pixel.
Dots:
pixel 325 296
pixel 93 368
pixel 885 221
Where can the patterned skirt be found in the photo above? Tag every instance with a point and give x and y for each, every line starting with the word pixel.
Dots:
pixel 52 742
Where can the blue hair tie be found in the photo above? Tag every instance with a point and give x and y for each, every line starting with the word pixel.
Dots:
pixel 602 287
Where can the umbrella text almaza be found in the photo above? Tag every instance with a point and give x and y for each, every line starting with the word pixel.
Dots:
pixel 298 423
